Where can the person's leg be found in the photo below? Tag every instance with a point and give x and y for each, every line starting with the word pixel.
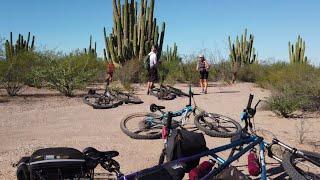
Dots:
pixel 148 88
pixel 206 82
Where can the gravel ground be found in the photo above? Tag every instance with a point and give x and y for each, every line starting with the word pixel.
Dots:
pixel 42 118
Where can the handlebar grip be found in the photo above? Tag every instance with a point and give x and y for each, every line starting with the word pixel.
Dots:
pixel 250 101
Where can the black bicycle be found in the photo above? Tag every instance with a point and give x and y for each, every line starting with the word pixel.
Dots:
pixel 109 99
pixel 162 93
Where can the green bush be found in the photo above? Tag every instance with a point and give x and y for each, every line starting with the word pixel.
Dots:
pixel 285 103
pixel 15 73
pixel 251 72
pixel 293 87
pixel 223 71
pixel 67 73
pixel 190 73
pixel 170 71
pixel 131 72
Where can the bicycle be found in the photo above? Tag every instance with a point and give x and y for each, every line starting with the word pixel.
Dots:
pixel 162 93
pixel 149 125
pixel 289 161
pixel 109 99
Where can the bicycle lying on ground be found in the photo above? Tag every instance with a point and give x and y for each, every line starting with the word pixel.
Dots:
pixel 109 99
pixel 68 163
pixel 296 163
pixel 167 92
pixel 149 125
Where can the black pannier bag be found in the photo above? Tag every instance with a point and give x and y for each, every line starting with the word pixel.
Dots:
pixel 55 163
pixel 183 143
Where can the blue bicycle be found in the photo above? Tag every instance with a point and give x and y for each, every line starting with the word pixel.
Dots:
pixel 149 125
pixel 298 164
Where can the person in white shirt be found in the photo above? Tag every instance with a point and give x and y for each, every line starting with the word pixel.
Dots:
pixel 152 73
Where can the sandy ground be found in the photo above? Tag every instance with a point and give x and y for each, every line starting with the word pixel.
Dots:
pixel 43 118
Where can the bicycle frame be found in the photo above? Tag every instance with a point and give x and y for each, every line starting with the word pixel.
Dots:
pixel 251 141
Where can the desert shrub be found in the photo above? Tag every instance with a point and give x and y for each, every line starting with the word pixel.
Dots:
pixel 190 73
pixel 67 73
pixel 170 71
pixel 286 102
pixel 251 72
pixel 293 87
pixel 223 71
pixel 131 72
pixel 14 72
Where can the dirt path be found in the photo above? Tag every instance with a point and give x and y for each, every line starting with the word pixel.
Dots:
pixel 36 121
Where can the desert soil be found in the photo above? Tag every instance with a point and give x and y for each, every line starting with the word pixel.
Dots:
pixel 42 118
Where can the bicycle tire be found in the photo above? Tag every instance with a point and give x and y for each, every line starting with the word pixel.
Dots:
pixel 111 104
pixel 168 97
pixel 135 135
pixel 177 91
pixel 294 172
pixel 128 98
pixel 215 133
pixel 86 99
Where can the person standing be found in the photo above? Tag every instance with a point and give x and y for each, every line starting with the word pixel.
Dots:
pixel 152 71
pixel 203 68
pixel 110 70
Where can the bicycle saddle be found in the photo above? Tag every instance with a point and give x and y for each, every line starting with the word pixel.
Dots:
pixel 154 107
pixel 96 154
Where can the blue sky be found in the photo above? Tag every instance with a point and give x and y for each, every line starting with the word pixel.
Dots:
pixel 193 24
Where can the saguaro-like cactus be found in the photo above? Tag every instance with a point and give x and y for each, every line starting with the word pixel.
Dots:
pixel 241 52
pixel 297 52
pixel 172 53
pixel 133 33
pixel 20 45
pixel 91 50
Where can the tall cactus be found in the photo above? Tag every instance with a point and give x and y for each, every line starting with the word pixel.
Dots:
pixel 242 52
pixel 133 32
pixel 171 54
pixel 91 50
pixel 297 52
pixel 21 45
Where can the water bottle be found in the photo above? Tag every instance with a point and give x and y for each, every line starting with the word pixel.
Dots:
pixel 201 170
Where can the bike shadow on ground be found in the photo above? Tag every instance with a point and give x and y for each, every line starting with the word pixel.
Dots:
pixel 277 172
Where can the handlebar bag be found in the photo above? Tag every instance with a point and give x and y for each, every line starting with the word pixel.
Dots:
pixel 57 163
pixel 182 143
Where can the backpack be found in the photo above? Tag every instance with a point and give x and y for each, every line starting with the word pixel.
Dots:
pixel 53 163
pixel 182 143
pixel 146 62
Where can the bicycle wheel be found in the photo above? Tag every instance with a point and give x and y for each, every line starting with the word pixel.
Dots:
pixel 164 94
pixel 178 92
pixel 128 98
pixel 105 102
pixel 90 99
pixel 142 126
pixel 217 125
pixel 298 167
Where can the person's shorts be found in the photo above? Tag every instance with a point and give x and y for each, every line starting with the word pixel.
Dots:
pixel 152 75
pixel 204 74
pixel 110 74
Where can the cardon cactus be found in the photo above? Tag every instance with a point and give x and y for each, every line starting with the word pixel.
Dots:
pixel 242 52
pixel 172 53
pixel 91 50
pixel 21 45
pixel 297 52
pixel 133 33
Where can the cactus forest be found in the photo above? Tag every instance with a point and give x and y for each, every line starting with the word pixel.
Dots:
pixel 134 31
